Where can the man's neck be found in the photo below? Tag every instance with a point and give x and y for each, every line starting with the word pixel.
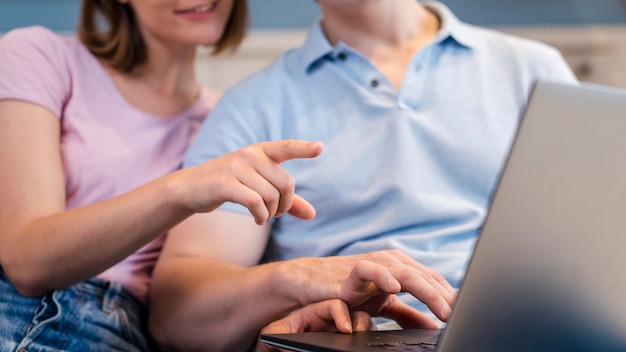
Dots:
pixel 371 26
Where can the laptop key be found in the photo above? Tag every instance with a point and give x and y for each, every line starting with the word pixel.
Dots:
pixel 392 346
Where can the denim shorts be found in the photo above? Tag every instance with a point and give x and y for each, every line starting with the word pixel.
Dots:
pixel 95 315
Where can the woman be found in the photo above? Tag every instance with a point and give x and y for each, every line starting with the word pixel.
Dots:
pixel 92 131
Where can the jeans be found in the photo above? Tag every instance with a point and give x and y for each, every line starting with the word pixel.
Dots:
pixel 95 315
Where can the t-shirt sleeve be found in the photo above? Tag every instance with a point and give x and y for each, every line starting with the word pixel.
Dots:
pixel 34 69
pixel 229 127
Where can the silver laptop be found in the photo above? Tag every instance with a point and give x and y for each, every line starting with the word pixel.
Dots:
pixel 549 269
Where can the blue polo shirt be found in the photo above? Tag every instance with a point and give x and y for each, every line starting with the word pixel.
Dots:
pixel 411 169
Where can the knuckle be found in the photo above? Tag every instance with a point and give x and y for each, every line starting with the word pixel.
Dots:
pixel 431 296
pixel 361 264
pixel 248 152
pixel 254 201
pixel 438 276
pixel 414 276
pixel 336 304
pixel 397 253
pixel 287 184
pixel 290 182
pixel 287 143
pixel 271 196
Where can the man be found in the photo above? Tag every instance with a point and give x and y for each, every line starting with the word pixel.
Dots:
pixel 416 111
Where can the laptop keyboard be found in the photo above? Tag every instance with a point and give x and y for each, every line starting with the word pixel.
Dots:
pixel 404 346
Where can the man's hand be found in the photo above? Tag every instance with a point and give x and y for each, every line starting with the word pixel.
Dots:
pixel 335 315
pixel 390 306
pixel 358 278
pixel 332 315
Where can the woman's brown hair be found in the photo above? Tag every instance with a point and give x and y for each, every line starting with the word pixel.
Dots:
pixel 109 30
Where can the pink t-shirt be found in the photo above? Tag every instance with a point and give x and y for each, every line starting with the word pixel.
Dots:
pixel 108 146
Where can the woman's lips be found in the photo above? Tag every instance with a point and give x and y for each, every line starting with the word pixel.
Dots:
pixel 198 9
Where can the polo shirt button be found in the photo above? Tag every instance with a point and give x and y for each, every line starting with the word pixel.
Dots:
pixel 374 83
pixel 342 56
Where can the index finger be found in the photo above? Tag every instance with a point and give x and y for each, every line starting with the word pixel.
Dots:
pixel 280 151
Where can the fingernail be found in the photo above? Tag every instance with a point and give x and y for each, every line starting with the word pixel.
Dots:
pixel 316 145
pixel 446 310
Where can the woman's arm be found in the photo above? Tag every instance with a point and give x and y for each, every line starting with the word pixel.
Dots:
pixel 43 246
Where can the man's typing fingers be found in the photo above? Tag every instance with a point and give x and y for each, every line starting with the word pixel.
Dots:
pixel 406 316
pixel 367 279
pixel 436 298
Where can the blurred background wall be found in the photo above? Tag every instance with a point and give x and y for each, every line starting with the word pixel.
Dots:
pixel 590 33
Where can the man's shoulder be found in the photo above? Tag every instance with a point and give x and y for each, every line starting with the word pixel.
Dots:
pixel 529 57
pixel 497 40
pixel 279 77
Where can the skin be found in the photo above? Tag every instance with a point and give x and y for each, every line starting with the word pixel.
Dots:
pixel 43 246
pixel 167 83
pixel 208 289
pixel 332 315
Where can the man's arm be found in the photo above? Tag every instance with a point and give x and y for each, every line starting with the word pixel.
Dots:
pixel 206 290
pixel 208 294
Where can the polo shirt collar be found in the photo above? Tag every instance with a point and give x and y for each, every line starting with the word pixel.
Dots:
pixel 451 26
pixel 316 48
